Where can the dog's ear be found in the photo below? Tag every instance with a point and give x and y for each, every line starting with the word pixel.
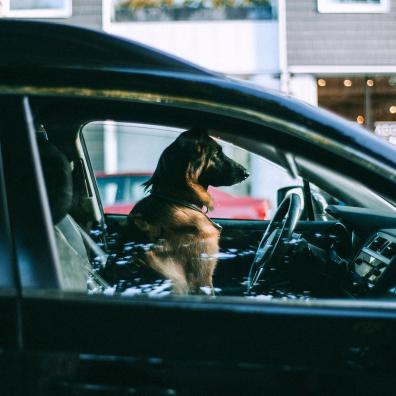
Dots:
pixel 196 142
pixel 173 162
pixel 200 134
pixel 195 135
pixel 193 141
pixel 180 166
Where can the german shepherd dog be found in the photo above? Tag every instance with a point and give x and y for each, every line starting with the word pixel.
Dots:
pixel 185 242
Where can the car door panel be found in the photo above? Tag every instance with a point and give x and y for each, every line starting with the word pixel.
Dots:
pixel 193 347
pixel 10 335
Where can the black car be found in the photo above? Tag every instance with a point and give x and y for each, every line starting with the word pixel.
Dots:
pixel 320 320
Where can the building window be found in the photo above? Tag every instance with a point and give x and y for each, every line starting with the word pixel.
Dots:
pixel 187 10
pixel 353 6
pixel 37 8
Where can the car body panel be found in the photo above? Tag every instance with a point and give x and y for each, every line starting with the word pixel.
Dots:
pixel 145 318
pixel 210 349
pixel 80 48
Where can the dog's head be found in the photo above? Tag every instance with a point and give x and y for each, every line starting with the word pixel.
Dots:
pixel 197 161
pixel 210 166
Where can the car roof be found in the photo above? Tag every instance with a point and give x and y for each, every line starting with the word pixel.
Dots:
pixel 55 44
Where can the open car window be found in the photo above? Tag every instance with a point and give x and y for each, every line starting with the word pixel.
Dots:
pixel 128 155
pixel 143 209
pixel 109 165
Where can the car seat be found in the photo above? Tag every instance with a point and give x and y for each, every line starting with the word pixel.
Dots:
pixel 76 271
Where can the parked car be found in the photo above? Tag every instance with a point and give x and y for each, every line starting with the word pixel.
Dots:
pixel 325 326
pixel 120 191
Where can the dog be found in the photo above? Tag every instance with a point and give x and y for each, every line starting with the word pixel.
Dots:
pixel 184 240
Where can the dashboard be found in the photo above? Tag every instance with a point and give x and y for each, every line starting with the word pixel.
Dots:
pixel 374 266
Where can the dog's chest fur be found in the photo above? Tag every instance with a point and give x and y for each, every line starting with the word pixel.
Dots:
pixel 185 242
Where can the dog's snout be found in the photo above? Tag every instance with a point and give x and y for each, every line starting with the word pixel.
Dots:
pixel 243 173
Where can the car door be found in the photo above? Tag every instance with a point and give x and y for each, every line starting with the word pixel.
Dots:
pixel 10 340
pixel 75 343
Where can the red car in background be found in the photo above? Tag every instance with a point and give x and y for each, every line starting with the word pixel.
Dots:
pixel 120 191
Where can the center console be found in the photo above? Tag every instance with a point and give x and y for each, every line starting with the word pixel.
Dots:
pixel 375 263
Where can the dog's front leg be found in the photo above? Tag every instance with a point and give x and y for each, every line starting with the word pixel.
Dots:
pixel 200 274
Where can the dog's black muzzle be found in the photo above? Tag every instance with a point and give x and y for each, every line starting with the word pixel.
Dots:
pixel 223 172
pixel 237 174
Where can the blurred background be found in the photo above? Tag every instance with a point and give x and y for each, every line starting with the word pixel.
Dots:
pixel 336 54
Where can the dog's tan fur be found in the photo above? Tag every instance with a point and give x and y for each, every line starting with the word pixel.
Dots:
pixel 186 244
pixel 185 241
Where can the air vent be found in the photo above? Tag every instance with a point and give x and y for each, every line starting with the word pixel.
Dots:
pixel 377 244
pixel 390 251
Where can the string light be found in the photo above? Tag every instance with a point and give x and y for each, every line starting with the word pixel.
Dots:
pixel 370 83
pixel 348 83
pixel 360 119
pixel 392 109
pixel 322 82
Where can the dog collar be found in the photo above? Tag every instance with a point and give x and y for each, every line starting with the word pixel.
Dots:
pixel 187 205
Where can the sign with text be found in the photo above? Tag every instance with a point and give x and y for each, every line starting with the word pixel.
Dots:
pixel 385 129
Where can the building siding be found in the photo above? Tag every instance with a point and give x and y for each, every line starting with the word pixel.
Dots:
pixel 85 13
pixel 339 39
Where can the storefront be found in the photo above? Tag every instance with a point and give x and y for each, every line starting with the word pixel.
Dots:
pixel 367 100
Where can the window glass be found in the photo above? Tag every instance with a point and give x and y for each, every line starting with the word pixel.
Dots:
pixel 157 10
pixel 353 6
pixel 130 156
pixel 37 8
pixel 127 156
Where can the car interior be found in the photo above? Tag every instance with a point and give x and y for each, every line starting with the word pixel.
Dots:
pixel 330 237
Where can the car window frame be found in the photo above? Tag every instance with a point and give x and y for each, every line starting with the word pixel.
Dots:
pixel 91 174
pixel 8 269
pixel 108 99
pixel 36 259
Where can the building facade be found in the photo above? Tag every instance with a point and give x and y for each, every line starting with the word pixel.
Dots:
pixel 341 55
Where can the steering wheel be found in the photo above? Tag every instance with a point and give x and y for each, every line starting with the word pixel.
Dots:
pixel 280 228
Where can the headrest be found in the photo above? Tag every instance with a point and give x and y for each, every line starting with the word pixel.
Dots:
pixel 58 179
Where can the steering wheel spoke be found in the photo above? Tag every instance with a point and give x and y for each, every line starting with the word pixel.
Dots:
pixel 274 237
